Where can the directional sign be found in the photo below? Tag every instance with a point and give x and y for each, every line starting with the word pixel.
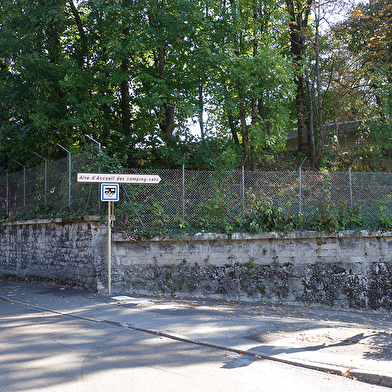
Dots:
pixel 119 178
pixel 110 192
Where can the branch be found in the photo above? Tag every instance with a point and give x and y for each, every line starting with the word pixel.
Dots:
pixel 78 21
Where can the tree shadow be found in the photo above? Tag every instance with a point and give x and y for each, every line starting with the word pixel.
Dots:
pixel 43 350
pixel 377 346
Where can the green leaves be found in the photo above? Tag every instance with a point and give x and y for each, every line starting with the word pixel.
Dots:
pixel 132 73
pixel 265 215
pixel 366 36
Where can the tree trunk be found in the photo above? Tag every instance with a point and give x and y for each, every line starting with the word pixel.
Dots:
pixel 201 110
pixel 83 52
pixel 298 22
pixel 255 111
pixel 167 124
pixel 125 112
pixel 232 129
pixel 320 119
pixel 303 144
pixel 312 140
pixel 263 112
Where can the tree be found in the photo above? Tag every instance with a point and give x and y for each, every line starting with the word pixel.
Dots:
pixel 299 12
pixel 154 51
pixel 131 74
pixel 368 34
pixel 47 95
pixel 254 77
pixel 30 47
pixel 320 62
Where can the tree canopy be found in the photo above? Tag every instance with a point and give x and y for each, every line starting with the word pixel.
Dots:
pixel 215 83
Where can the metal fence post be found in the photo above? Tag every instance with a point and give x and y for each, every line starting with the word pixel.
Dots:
pixel 243 187
pixel 24 182
pixel 46 175
pixel 243 191
pixel 69 175
pixel 99 144
pixel 350 184
pixel 99 166
pixel 183 190
pixel 300 186
pixel 7 195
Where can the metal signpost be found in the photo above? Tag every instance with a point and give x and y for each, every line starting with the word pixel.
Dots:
pixel 110 192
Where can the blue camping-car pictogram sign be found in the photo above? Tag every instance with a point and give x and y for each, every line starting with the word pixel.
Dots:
pixel 110 192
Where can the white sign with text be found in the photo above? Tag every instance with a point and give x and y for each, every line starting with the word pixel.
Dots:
pixel 119 178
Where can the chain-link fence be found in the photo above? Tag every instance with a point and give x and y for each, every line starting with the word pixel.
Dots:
pixel 207 199
pixel 197 199
pixel 49 189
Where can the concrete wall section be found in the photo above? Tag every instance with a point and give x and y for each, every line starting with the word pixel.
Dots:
pixel 344 269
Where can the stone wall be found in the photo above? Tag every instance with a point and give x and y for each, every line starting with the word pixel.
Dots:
pixel 351 269
pixel 347 268
pixel 51 250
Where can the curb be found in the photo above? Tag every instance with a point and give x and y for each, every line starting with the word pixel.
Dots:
pixel 365 376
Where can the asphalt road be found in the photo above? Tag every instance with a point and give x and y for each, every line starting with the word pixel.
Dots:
pixel 48 352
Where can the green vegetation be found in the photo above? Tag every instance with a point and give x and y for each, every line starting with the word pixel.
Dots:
pixel 134 75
